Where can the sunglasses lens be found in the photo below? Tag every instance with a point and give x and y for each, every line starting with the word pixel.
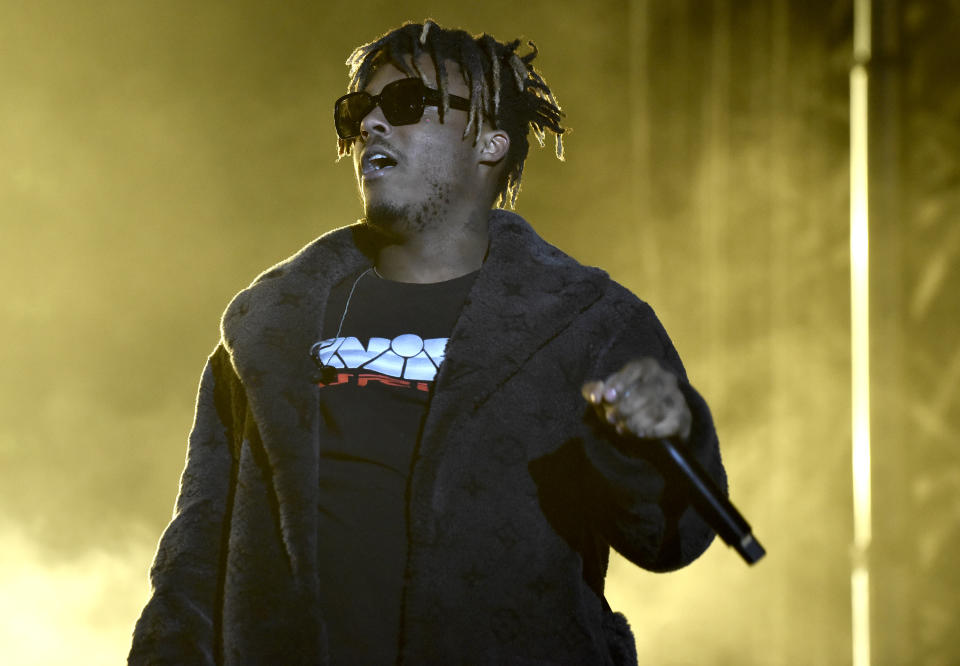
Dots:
pixel 350 110
pixel 402 101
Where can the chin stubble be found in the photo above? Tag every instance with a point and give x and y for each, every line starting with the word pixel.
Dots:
pixel 399 219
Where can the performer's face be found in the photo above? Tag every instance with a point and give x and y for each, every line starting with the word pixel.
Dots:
pixel 435 166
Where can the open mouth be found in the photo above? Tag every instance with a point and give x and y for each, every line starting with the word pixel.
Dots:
pixel 376 162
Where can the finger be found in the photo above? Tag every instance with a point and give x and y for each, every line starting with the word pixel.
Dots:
pixel 644 422
pixel 634 399
pixel 666 428
pixel 609 413
pixel 592 392
pixel 674 424
pixel 631 373
pixel 653 394
pixel 646 398
pixel 660 380
pixel 640 371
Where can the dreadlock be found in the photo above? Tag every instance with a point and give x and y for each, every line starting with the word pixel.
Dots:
pixel 505 89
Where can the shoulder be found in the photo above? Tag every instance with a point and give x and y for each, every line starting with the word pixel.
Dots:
pixel 517 250
pixel 625 303
pixel 548 254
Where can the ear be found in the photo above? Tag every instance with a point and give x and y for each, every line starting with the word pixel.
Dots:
pixel 493 147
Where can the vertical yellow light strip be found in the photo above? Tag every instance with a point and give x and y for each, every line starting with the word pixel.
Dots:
pixel 860 333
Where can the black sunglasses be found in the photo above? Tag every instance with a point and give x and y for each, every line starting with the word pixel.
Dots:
pixel 402 103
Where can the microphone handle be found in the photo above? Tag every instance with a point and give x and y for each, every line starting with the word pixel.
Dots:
pixel 711 503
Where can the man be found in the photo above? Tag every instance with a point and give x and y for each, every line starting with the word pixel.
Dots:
pixel 420 435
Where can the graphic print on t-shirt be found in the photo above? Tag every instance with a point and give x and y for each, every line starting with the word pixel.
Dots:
pixel 408 356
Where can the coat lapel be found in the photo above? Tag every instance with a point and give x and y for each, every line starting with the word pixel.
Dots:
pixel 527 292
pixel 269 329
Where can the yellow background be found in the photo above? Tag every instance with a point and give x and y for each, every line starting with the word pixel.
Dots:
pixel 158 155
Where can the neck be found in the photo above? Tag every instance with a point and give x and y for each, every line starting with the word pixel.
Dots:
pixel 436 254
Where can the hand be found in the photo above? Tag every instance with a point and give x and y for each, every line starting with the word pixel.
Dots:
pixel 643 399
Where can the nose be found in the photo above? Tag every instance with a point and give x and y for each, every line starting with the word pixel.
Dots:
pixel 375 123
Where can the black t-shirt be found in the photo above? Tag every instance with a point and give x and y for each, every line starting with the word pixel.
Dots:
pixel 391 341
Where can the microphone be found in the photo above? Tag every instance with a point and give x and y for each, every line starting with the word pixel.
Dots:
pixel 712 504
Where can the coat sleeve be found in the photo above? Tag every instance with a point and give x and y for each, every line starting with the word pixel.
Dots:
pixel 180 622
pixel 641 506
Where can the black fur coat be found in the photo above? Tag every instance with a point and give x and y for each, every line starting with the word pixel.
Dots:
pixel 517 492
